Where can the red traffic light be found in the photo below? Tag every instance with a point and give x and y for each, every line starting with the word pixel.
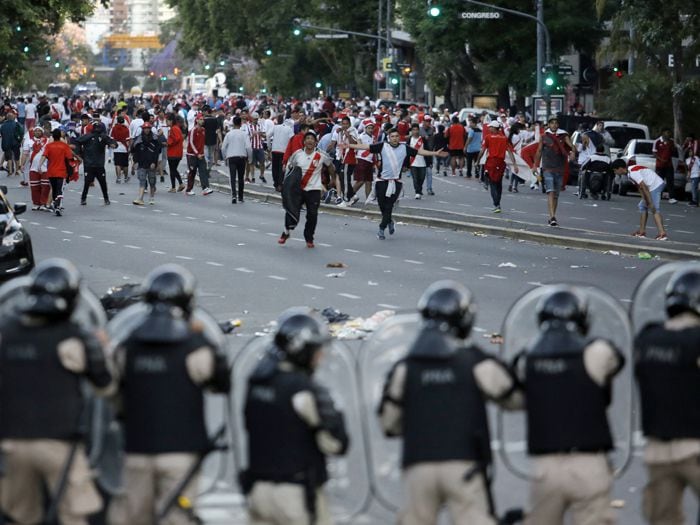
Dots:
pixel 619 74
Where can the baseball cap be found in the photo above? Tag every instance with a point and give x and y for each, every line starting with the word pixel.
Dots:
pixel 427 118
pixel 368 122
pixel 146 125
pixel 255 114
pixel 494 124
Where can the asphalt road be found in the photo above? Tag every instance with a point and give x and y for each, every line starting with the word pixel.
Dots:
pixel 244 273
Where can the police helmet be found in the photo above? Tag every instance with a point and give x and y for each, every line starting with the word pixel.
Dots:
pixel 53 289
pixel 564 306
pixel 98 127
pixel 683 293
pixel 300 334
pixel 172 285
pixel 451 303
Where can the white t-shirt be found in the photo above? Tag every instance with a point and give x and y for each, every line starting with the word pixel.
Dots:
pixel 35 163
pixel 281 135
pixel 303 160
pixel 648 176
pixel 341 136
pixel 365 155
pixel 694 165
pixel 135 128
pixel 30 110
pixel 418 160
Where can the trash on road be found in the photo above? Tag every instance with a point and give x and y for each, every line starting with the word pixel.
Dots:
pixel 336 275
pixel 645 256
pixel 494 338
pixel 578 266
pixel 334 316
pixel 611 252
pixel 372 283
pixel 359 328
pixel 617 503
pixel 507 265
pixel 479 234
pixel 336 265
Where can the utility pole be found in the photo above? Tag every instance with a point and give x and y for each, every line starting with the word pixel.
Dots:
pixel 540 45
pixel 379 45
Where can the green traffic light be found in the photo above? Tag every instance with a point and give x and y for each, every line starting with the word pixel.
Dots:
pixel 318 85
pixel 296 31
pixel 26 49
pixel 394 81
pixel 549 81
pixel 268 52
pixel 434 11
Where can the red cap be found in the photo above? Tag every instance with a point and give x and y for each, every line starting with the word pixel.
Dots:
pixel 146 125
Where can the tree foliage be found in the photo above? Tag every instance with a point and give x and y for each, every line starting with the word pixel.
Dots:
pixel 501 52
pixel 32 24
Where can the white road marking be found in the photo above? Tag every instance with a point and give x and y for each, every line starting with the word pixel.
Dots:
pixel 210 222
pixel 450 268
pixel 277 277
pixel 625 300
pixel 411 261
pixel 132 246
pixel 683 231
pixel 349 296
pixel 157 211
pixel 389 306
pixel 494 276
pixel 325 245
pixel 271 234
pixel 313 286
pixel 618 209
pixel 35 223
pixel 212 263
pixel 578 218
pixel 676 215
pixel 231 225
pixel 85 237
pixel 158 252
pixel 252 230
pixel 610 222
pixel 380 256
pixel 184 258
pixel 67 232
pixel 174 214
pixel 51 228
pixel 192 218
pixel 244 270
pixel 108 242
pixel 350 250
pixel 534 283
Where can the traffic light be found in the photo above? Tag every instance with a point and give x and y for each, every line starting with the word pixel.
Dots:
pixel 433 10
pixel 296 31
pixel 318 85
pixel 222 63
pixel 57 65
pixel 164 78
pixel 618 72
pixel 268 52
pixel 207 67
pixel 48 58
pixel 25 49
pixel 176 71
pixel 151 73
pixel 406 70
pixel 552 79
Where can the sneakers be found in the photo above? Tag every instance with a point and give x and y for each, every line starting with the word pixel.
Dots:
pixel 137 202
pixel 553 221
pixel 263 180
pixel 162 179
pixel 639 234
pixel 23 183
pixel 310 244
pixel 672 201
pixel 180 187
pixel 190 193
pixel 343 204
pixel 392 228
pixel 283 238
pixel 510 189
pixel 151 201
pixel 662 237
pixel 380 234
pixel 172 190
pixel 107 203
pixel 339 201
pixel 329 196
pixel 418 196
pixel 354 200
pixel 233 201
pixel 431 192
pixel 118 181
pixel 497 209
pixel 515 189
pixel 692 203
pixel 36 207
pixel 207 191
pixel 83 203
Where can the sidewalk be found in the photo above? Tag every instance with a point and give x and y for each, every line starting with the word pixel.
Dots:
pixel 462 204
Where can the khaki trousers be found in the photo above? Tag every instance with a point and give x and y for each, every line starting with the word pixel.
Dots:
pixel 31 464
pixel 283 504
pixel 578 483
pixel 430 485
pixel 663 495
pixel 148 481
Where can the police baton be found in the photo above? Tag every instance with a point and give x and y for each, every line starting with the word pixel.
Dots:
pixel 175 499
pixel 51 517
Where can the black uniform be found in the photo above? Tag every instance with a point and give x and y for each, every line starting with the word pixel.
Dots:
pixel 93 153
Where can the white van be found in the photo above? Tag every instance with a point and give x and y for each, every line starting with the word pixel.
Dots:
pixel 623 132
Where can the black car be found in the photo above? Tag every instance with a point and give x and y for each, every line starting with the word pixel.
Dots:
pixel 16 255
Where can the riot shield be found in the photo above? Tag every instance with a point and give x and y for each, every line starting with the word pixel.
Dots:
pixel 88 312
pixel 607 320
pixel 348 487
pixel 648 300
pixel 389 343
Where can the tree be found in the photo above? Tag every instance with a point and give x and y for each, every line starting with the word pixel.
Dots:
pixel 28 27
pixel 501 52
pixel 660 29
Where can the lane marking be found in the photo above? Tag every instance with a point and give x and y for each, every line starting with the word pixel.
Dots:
pixel 277 277
pixel 174 214
pixel 231 225
pixel 252 230
pixel 349 296
pixel 610 222
pixel 158 252
pixel 210 222
pixel 683 231
pixel 313 286
pixel 192 218
pixel 451 269
pixel 85 237
pixel 325 245
pixel 350 250
pixel 51 228
pixel 108 242
pixel 271 234
pixel 494 276
pixel 244 270
pixel 132 246
pixel 35 223
pixel 157 211
pixel 184 258
pixel 212 263
pixel 389 306
pixel 411 261
pixel 68 232
pixel 380 256
pixel 534 283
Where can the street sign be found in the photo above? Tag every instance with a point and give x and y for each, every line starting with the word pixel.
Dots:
pixel 331 36
pixel 479 15
pixel 378 75
pixel 387 64
pixel 539 106
pixel 565 69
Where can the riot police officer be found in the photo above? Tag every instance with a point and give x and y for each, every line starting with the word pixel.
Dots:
pixel 567 382
pixel 667 366
pixel 44 358
pixel 292 425
pixel 435 398
pixel 163 363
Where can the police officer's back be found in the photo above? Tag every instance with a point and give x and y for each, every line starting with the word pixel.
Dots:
pixel 44 357
pixel 667 366
pixel 164 364
pixel 435 398
pixel 292 426
pixel 567 382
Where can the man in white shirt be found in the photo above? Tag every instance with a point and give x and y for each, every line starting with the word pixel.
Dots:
pixel 417 162
pixel 237 150
pixel 650 187
pixel 303 187
pixel 278 139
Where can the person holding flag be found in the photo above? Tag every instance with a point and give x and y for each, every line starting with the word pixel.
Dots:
pixel 496 145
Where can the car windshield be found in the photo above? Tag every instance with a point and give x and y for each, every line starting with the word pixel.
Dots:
pixel 644 148
pixel 622 134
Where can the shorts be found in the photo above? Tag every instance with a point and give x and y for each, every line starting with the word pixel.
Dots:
pixel 121 159
pixel 258 157
pixel 655 199
pixel 552 181
pixel 363 171
pixel 456 153
pixel 144 176
pixel 11 153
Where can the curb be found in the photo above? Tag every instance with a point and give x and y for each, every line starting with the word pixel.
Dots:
pixel 515 233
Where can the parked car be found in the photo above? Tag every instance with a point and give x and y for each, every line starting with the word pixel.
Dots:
pixel 639 152
pixel 466 112
pixel 623 132
pixel 16 254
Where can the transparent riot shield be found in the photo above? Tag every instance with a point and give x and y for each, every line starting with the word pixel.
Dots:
pixel 348 487
pixel 389 343
pixel 607 320
pixel 648 301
